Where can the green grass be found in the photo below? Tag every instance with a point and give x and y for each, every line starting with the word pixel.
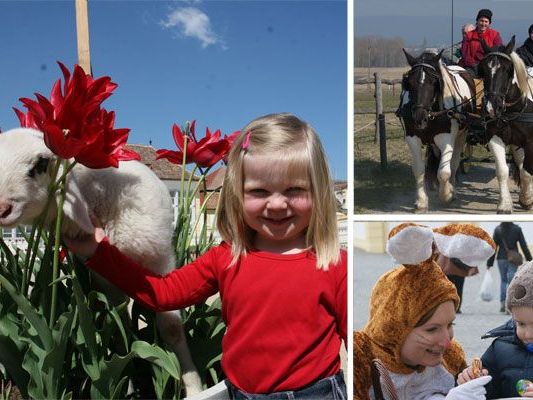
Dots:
pixel 368 172
pixel 364 97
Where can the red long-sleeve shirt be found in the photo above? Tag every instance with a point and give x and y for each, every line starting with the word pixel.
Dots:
pixel 285 318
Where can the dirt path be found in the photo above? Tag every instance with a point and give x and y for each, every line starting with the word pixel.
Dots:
pixel 476 193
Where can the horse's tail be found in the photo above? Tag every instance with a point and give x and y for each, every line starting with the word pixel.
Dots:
pixel 432 168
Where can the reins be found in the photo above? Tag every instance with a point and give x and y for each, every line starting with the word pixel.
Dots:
pixel 450 112
pixel 506 117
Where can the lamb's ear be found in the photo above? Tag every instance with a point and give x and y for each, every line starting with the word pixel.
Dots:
pixel 76 207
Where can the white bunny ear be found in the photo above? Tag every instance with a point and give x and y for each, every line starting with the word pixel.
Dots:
pixel 469 243
pixel 410 243
pixel 76 207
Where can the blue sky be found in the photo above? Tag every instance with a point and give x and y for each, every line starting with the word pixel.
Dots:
pixel 415 20
pixel 222 63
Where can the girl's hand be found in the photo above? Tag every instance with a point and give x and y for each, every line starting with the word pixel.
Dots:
pixel 528 394
pixel 86 245
pixel 468 375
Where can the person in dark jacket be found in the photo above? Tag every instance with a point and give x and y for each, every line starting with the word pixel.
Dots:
pixel 456 271
pixel 507 235
pixel 526 50
pixel 510 356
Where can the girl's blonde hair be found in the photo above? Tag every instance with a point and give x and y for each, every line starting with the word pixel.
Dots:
pixel 292 144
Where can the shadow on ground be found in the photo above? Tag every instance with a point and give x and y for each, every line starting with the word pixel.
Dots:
pixel 393 190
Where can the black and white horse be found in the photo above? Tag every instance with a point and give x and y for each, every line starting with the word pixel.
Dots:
pixel 508 115
pixel 429 91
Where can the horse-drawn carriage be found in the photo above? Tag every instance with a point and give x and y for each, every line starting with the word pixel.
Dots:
pixel 442 108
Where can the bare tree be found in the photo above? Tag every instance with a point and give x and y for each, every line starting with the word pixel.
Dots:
pixel 377 51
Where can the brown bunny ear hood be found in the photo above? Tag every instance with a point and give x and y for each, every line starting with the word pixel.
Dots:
pixel 402 296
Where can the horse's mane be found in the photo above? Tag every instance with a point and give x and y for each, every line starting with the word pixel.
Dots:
pixel 524 81
pixel 449 89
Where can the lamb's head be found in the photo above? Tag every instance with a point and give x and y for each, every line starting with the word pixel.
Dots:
pixel 24 176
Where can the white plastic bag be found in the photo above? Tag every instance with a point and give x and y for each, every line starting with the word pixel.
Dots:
pixel 487 290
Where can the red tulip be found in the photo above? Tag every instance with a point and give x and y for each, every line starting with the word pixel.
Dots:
pixel 73 122
pixel 205 153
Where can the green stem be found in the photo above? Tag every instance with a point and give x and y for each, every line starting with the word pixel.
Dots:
pixel 197 221
pixel 62 185
pixel 34 241
pixel 206 198
pixel 213 226
pixel 190 196
pixel 183 164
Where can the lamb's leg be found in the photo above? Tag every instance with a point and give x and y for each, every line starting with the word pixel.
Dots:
pixel 170 328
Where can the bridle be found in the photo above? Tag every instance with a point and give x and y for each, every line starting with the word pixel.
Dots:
pixel 431 71
pixel 502 95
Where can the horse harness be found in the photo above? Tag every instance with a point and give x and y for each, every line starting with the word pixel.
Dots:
pixel 448 113
pixel 506 117
pixel 406 110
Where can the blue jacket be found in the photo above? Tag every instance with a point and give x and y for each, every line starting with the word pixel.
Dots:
pixel 507 361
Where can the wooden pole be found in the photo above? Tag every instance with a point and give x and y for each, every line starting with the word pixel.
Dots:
pixel 82 29
pixel 379 102
pixel 380 122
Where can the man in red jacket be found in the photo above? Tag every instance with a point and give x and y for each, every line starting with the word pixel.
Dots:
pixel 471 48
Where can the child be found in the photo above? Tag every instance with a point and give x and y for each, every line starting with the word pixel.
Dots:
pixel 510 356
pixel 280 272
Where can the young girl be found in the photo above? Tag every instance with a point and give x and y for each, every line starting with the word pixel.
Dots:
pixel 279 270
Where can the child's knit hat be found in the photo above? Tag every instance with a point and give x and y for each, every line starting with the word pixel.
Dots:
pixel 520 290
pixel 402 296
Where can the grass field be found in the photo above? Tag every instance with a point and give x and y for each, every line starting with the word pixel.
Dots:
pixel 386 73
pixel 372 184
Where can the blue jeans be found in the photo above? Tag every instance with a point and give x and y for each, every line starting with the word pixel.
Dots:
pixel 330 388
pixel 507 271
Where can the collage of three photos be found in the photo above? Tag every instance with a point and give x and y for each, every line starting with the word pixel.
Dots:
pixel 266 200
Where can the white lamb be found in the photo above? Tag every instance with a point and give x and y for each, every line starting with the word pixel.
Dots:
pixel 132 204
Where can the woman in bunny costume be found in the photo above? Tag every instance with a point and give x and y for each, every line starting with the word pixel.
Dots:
pixel 412 309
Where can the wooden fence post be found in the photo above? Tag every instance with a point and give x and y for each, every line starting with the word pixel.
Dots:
pixel 379 102
pixel 382 142
pixel 82 30
pixel 380 122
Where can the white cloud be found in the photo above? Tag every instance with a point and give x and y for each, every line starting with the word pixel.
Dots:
pixel 192 22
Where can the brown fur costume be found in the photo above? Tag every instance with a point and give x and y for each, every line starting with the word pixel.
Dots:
pixel 402 296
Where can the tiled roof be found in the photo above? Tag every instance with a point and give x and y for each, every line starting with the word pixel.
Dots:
pixel 215 179
pixel 212 201
pixel 339 185
pixel 164 169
